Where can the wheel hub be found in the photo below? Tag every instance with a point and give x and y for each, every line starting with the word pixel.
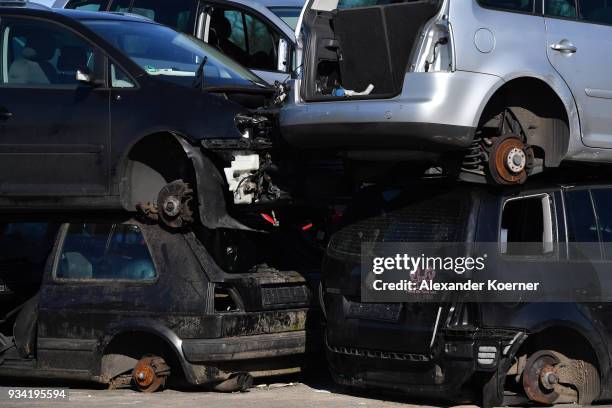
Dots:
pixel 150 373
pixel 174 202
pixel 516 160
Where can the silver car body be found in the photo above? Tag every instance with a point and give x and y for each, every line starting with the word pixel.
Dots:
pixel 490 49
pixel 253 7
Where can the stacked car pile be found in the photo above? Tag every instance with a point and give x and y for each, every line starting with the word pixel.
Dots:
pixel 232 188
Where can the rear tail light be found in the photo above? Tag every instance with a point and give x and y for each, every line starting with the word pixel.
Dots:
pixel 225 300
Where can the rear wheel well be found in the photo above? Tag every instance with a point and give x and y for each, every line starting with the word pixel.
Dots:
pixel 153 162
pixel 566 341
pixel 125 349
pixel 541 113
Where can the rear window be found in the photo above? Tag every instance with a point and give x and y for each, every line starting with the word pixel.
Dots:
pixel 524 6
pixel 105 251
pixel 436 219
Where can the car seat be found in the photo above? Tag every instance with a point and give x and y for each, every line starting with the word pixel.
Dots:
pixel 221 30
pixel 24 329
pixel 34 66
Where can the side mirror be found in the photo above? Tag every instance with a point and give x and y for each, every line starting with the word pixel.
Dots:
pixel 283 55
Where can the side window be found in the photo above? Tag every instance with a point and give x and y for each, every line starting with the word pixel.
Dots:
pixel 40 53
pixel 603 204
pixel 263 43
pixel 560 8
pixel 245 38
pixel 227 34
pixel 527 226
pixel 596 11
pixel 105 251
pixel 120 79
pixel 525 6
pixel 87 5
pixel 581 225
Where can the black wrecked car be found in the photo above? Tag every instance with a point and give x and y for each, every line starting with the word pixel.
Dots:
pixel 111 111
pixel 549 350
pixel 118 301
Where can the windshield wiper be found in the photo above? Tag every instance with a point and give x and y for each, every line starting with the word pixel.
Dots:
pixel 199 76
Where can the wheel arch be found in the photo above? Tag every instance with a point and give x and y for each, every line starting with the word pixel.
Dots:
pixel 563 337
pixel 120 340
pixel 196 164
pixel 563 112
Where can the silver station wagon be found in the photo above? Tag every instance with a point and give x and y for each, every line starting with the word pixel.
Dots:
pixel 496 90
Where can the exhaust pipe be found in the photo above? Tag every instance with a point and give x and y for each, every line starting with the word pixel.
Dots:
pixel 237 382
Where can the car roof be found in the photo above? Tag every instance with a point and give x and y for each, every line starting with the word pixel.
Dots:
pixel 77 15
pixel 282 3
pixel 97 15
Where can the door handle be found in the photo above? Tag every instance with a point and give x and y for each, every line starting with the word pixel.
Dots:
pixel 565 47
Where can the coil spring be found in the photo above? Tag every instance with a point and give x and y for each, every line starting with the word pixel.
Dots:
pixel 475 156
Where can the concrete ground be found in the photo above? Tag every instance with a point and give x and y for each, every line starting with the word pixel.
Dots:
pixel 286 393
pixel 278 395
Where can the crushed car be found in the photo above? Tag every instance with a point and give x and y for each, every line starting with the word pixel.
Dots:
pixel 109 111
pixel 544 350
pixel 126 302
pixel 430 82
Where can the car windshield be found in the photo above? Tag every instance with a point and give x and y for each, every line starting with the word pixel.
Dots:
pixel 289 15
pixel 163 52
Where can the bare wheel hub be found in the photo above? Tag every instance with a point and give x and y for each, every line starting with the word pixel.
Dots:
pixel 150 373
pixel 552 378
pixel 516 160
pixel 172 206
pixel 174 203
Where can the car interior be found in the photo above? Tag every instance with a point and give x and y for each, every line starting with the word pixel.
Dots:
pixel 339 38
pixel 244 38
pixel 24 251
pixel 43 58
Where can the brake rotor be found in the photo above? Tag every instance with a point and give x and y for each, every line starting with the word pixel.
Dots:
pixel 510 160
pixel 150 373
pixel 536 377
pixel 174 204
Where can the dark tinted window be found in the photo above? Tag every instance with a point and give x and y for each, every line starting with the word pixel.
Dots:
pixel 244 37
pixel 560 8
pixel 40 53
pixel 581 225
pixel 527 226
pixel 105 251
pixel 512 5
pixel 88 5
pixel 178 14
pixel 596 11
